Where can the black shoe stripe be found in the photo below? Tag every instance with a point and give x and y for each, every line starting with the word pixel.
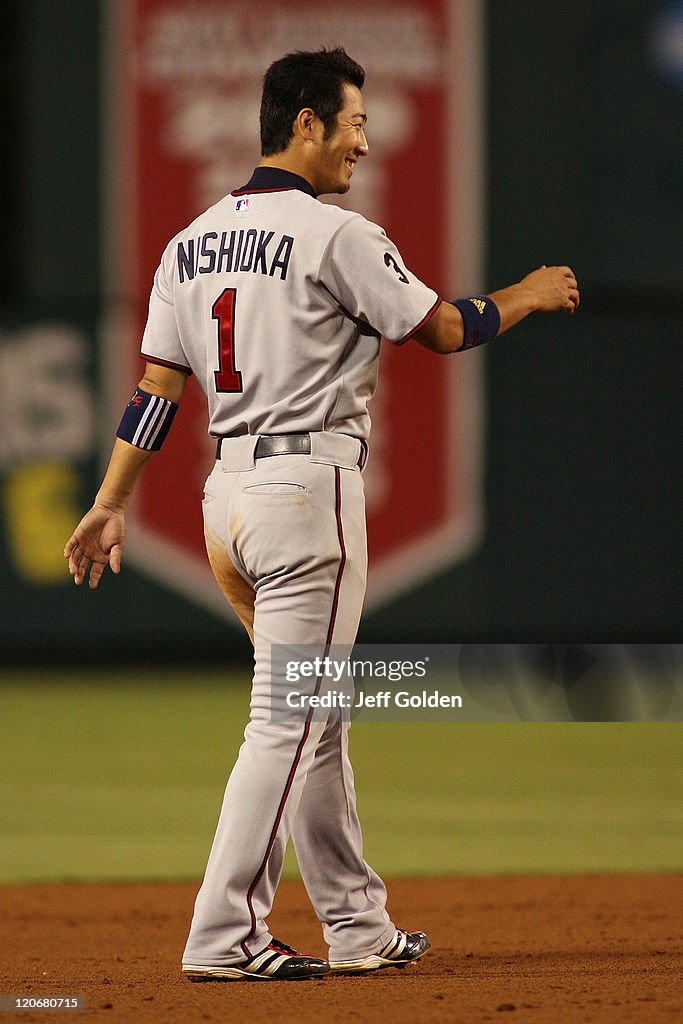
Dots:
pixel 391 947
pixel 264 964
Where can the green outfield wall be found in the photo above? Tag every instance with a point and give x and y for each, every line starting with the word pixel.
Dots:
pixel 584 159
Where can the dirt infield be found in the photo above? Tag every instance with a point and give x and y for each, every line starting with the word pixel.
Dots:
pixel 579 949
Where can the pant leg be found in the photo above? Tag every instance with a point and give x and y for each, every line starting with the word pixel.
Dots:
pixel 348 896
pixel 296 531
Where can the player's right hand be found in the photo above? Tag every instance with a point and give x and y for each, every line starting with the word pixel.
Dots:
pixel 98 540
pixel 554 289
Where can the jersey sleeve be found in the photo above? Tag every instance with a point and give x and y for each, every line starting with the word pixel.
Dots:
pixel 364 270
pixel 161 341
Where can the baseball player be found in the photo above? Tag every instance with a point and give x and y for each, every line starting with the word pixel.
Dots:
pixel 277 303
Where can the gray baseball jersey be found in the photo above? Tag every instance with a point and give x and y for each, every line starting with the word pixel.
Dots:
pixel 277 303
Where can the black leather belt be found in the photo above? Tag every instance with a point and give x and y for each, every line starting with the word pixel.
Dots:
pixel 285 444
pixel 277 444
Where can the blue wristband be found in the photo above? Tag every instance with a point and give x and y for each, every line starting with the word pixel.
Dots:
pixel 146 420
pixel 481 318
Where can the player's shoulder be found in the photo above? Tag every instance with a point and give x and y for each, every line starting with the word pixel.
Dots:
pixel 343 226
pixel 320 221
pixel 349 230
pixel 339 217
pixel 327 216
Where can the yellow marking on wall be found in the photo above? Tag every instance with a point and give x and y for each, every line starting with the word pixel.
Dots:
pixel 41 510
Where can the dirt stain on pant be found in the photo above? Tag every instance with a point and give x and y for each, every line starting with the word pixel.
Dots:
pixel 239 593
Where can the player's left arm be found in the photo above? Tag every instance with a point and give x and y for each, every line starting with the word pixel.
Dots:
pixel 99 538
pixel 454 326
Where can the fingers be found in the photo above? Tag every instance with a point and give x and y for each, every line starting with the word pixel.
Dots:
pixel 76 559
pixel 80 562
pixel 574 299
pixel 97 541
pixel 73 553
pixel 571 303
pixel 96 574
pixel 565 272
pixel 115 558
pixel 570 286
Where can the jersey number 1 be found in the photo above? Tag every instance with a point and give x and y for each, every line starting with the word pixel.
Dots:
pixel 227 376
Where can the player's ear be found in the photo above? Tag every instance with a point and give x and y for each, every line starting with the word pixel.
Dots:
pixel 305 124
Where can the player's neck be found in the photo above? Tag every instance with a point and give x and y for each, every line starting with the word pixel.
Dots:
pixel 288 161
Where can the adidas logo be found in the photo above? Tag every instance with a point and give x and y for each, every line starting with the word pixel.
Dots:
pixel 480 304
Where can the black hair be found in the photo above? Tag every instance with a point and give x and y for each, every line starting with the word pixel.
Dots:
pixel 304 79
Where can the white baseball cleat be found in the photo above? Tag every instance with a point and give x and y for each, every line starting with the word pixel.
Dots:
pixel 276 962
pixel 405 948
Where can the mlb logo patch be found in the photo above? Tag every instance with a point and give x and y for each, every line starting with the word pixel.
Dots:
pixel 242 204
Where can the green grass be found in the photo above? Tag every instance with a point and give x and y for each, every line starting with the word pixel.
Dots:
pixel 115 776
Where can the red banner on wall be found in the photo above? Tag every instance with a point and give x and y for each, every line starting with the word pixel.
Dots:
pixel 184 83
